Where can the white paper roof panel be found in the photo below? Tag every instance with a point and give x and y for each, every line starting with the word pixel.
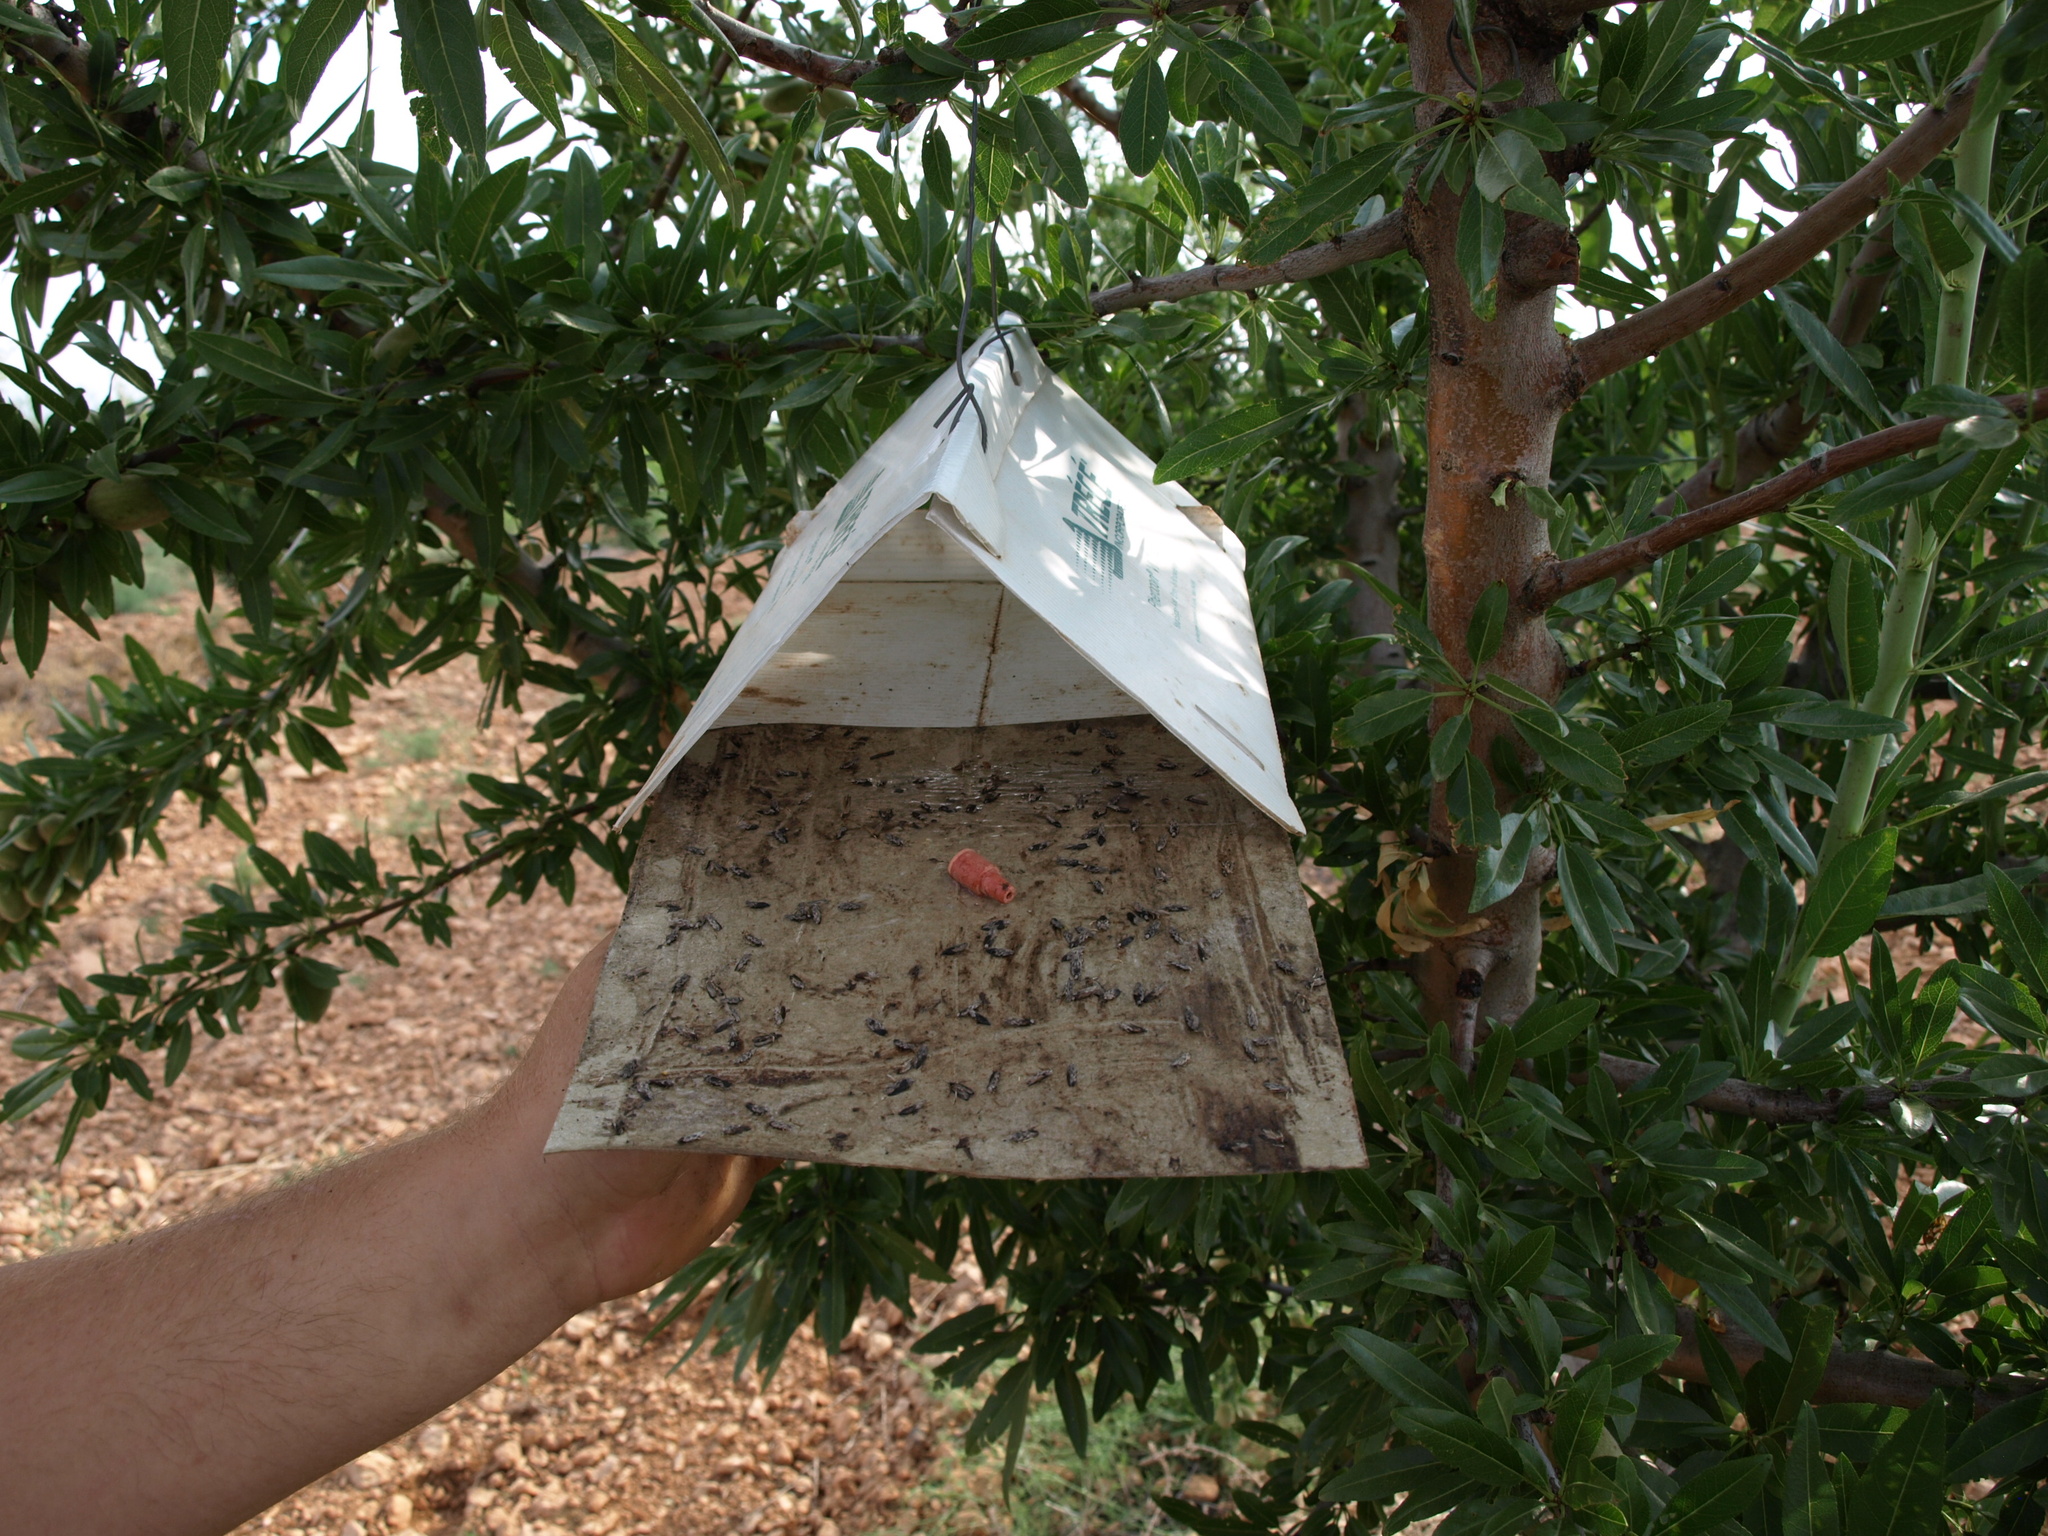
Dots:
pixel 1095 593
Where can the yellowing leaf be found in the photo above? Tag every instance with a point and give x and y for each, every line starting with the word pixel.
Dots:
pixel 1685 818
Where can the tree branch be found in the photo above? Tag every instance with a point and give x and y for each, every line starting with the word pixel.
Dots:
pixel 71 62
pixel 582 646
pixel 1793 1106
pixel 1108 119
pixel 1560 578
pixel 1771 260
pixel 772 52
pixel 1774 434
pixel 1380 238
pixel 1858 1376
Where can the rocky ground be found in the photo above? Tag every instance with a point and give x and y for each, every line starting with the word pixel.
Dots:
pixel 602 1430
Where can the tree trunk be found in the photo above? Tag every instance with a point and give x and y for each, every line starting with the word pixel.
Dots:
pixel 1372 524
pixel 1497 389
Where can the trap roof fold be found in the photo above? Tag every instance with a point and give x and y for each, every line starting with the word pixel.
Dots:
pixel 1049 579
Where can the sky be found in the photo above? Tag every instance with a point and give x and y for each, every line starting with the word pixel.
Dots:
pixel 364 75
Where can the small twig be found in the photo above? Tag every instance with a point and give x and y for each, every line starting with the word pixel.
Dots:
pixel 1382 237
pixel 1794 1106
pixel 1773 259
pixel 658 199
pixel 1108 119
pixel 1560 578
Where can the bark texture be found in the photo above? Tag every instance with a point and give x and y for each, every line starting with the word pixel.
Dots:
pixel 1497 388
pixel 1373 512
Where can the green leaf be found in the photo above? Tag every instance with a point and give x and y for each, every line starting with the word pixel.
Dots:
pixel 1892 488
pixel 1956 799
pixel 1430 1279
pixel 1191 1516
pixel 49 189
pixel 1497 872
pixel 1059 160
pixel 254 363
pixel 1225 441
pixel 1810 1331
pixel 1058 67
pixel 1892 29
pixel 680 105
pixel 1385 714
pixel 526 63
pixel 2002 1004
pixel 1399 1374
pixel 1036 26
pixel 1481 230
pixel 54 482
pixel 1580 1418
pixel 1831 357
pixel 1716 579
pixel 440 42
pixel 1295 216
pixel 1467 1444
pixel 2023 634
pixel 195 47
pixel 1840 540
pixel 372 204
pixel 1719 1493
pixel 1470 798
pixel 1900 1492
pixel 957 1332
pixel 1849 892
pixel 1261 98
pixel 1670 734
pixel 1637 1355
pixel 2026 945
pixel 1489 622
pixel 1593 903
pixel 1810 1498
pixel 1832 720
pixel 1006 1404
pixel 322 27
pixel 1988 229
pixel 2022 344
pixel 1528 1258
pixel 18 20
pixel 1143 127
pixel 322 274
pixel 1377 1476
pixel 2008 1439
pixel 178 183
pixel 1510 170
pixel 479 215
pixel 1554 1025
pixel 1577 752
pixel 1447 747
pixel 196 507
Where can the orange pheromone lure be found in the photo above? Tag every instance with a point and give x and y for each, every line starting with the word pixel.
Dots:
pixel 980 876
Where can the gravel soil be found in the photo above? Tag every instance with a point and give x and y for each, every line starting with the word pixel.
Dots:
pixel 602 1430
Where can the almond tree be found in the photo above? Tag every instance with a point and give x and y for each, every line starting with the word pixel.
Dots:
pixel 1695 1204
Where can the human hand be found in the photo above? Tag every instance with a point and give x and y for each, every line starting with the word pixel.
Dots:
pixel 613 1222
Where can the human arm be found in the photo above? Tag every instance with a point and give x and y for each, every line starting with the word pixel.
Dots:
pixel 182 1381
